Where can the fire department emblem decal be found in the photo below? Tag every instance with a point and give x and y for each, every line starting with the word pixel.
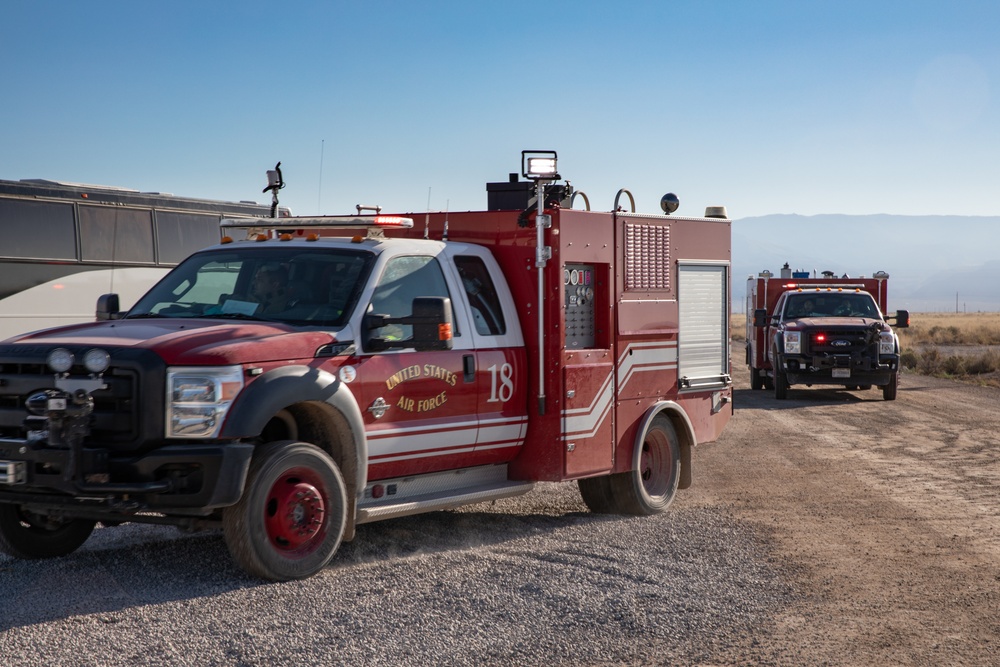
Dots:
pixel 378 408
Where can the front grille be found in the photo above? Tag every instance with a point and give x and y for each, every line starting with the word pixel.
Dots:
pixel 846 341
pixel 134 379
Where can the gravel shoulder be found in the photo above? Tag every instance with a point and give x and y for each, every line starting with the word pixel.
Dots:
pixel 832 528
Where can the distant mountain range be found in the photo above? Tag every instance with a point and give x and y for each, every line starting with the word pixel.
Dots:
pixel 935 263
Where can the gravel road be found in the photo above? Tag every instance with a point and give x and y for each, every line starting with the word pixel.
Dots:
pixel 832 528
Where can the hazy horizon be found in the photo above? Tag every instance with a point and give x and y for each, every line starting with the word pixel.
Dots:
pixel 933 261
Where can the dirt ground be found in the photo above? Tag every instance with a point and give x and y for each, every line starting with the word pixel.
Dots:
pixel 886 515
pixel 876 524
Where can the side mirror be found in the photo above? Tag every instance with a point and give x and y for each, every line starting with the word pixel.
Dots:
pixel 432 320
pixel 760 317
pixel 433 323
pixel 108 308
pixel 902 318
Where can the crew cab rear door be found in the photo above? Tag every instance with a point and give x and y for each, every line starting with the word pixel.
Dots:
pixel 499 364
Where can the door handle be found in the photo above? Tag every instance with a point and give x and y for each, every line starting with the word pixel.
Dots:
pixel 469 368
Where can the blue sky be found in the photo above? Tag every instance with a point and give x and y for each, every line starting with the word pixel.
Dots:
pixel 765 106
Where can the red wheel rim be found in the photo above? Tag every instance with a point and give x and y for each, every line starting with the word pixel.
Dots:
pixel 655 464
pixel 295 512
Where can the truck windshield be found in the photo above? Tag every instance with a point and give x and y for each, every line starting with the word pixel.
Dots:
pixel 831 304
pixel 307 287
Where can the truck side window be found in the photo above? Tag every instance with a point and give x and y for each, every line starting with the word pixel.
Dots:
pixel 404 279
pixel 486 311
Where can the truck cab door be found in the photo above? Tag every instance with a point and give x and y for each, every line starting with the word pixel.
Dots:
pixel 773 321
pixel 419 407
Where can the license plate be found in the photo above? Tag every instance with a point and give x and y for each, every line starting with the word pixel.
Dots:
pixel 841 372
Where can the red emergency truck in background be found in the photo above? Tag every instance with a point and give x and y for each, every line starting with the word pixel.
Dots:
pixel 807 329
pixel 331 371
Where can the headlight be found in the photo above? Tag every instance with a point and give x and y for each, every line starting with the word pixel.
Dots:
pixel 886 343
pixel 793 342
pixel 198 399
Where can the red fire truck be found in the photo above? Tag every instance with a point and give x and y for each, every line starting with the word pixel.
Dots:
pixel 332 371
pixel 807 329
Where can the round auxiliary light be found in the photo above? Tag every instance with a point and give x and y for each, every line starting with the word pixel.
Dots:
pixel 60 360
pixel 96 360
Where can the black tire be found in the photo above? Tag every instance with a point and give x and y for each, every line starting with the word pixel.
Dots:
pixel 864 387
pixel 780 385
pixel 651 486
pixel 596 494
pixel 291 518
pixel 30 535
pixel 756 379
pixel 889 390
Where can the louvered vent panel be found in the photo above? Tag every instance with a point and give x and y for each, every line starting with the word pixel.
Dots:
pixel 647 257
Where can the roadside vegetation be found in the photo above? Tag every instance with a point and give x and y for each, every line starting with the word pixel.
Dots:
pixel 962 346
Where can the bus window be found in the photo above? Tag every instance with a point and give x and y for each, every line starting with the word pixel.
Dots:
pixel 41 230
pixel 116 234
pixel 179 234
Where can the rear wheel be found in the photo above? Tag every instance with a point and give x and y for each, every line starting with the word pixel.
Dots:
pixel 31 535
pixel 756 379
pixel 650 487
pixel 889 390
pixel 596 494
pixel 291 518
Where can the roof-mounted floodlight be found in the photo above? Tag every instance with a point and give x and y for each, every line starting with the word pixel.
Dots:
pixel 539 165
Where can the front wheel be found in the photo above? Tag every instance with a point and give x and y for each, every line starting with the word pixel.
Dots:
pixel 32 535
pixel 650 486
pixel 291 518
pixel 889 390
pixel 780 385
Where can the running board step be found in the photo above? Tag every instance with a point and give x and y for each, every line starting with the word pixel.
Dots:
pixel 405 496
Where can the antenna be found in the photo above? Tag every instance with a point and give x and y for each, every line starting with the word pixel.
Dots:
pixel 427 218
pixel 446 206
pixel 319 196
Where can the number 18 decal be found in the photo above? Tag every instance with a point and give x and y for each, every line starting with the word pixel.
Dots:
pixel 501 383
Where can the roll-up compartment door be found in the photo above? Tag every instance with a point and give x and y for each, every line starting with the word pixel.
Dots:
pixel 703 338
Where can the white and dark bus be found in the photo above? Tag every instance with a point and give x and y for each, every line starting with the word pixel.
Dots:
pixel 62 245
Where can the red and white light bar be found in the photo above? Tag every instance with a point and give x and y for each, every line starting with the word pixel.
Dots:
pixel 353 221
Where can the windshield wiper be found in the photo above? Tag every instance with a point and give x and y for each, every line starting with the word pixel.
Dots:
pixel 235 316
